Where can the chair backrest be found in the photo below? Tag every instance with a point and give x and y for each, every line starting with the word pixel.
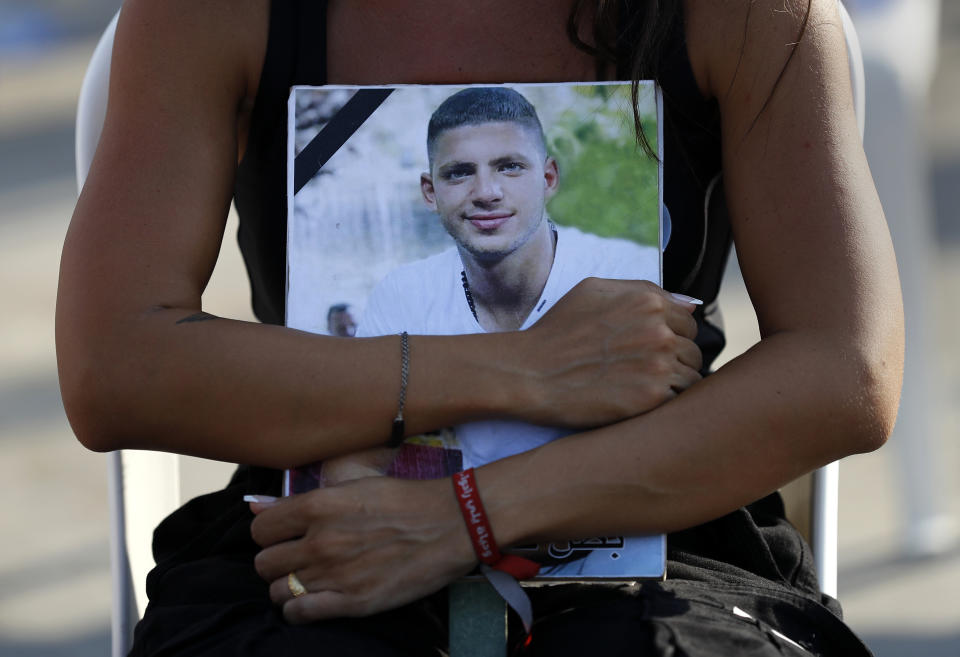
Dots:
pixel 144 487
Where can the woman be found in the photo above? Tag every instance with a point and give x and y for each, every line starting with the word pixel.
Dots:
pixel 194 91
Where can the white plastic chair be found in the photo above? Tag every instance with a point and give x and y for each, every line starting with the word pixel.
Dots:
pixel 144 487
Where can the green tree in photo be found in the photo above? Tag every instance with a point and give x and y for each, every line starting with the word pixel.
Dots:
pixel 608 185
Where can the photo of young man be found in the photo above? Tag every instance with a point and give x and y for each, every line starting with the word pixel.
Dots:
pixel 489 182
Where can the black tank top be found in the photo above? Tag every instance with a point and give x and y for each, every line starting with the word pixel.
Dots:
pixel 753 546
pixel 752 555
pixel 296 54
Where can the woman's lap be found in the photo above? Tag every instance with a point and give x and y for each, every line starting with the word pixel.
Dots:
pixel 652 619
pixel 679 618
pixel 207 599
pixel 257 630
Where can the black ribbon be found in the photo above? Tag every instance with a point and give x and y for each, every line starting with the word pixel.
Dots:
pixel 335 134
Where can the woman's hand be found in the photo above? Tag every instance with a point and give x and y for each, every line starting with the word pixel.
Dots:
pixel 361 547
pixel 610 350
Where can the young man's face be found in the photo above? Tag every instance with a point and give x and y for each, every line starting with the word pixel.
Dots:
pixel 489 183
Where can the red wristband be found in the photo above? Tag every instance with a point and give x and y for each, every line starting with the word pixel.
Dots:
pixel 481 534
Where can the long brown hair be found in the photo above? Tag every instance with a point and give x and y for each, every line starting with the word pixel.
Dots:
pixel 627 34
pixel 630 35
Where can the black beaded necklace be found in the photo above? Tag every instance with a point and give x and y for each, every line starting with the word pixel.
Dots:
pixel 468 294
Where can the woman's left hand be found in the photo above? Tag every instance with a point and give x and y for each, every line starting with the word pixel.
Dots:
pixel 361 547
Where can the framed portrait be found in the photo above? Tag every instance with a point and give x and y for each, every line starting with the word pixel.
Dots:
pixel 442 210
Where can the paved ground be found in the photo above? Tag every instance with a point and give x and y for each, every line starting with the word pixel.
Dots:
pixel 54 578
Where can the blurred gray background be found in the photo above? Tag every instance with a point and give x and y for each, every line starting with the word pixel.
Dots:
pixel 901 595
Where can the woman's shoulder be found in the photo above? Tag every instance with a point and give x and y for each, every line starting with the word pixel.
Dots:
pixel 180 20
pixel 218 43
pixel 729 40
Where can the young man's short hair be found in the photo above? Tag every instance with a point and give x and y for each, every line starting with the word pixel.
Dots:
pixel 477 105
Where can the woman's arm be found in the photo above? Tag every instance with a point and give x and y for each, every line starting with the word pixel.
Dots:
pixel 822 383
pixel 142 367
pixel 813 246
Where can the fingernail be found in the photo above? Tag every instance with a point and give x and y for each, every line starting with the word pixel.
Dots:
pixel 260 499
pixel 683 298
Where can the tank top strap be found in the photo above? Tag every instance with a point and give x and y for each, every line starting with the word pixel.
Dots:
pixel 311 62
pixel 296 54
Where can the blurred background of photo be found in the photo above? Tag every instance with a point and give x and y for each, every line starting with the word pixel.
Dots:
pixel 899 561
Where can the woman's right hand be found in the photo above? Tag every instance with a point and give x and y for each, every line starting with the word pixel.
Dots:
pixel 361 547
pixel 607 351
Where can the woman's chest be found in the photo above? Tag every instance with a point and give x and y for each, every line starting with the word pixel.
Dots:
pixel 434 41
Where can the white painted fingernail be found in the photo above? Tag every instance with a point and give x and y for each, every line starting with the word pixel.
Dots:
pixel 260 499
pixel 683 298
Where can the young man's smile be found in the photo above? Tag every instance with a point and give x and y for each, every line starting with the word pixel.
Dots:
pixel 487 222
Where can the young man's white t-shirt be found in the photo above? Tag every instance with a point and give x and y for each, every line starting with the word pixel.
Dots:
pixel 426 297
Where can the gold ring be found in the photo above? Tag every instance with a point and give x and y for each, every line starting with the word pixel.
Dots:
pixel 295 585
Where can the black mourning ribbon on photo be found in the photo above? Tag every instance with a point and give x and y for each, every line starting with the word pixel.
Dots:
pixel 335 134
